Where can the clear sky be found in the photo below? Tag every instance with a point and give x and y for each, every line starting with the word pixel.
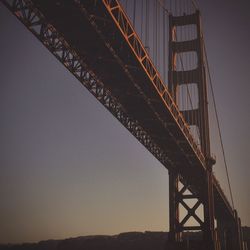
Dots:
pixel 69 168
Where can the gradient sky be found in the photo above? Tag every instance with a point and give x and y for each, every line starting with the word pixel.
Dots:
pixel 69 168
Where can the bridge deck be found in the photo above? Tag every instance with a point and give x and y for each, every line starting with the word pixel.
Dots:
pixel 121 73
pixel 94 34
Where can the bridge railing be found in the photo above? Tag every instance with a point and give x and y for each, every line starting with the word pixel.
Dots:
pixel 123 23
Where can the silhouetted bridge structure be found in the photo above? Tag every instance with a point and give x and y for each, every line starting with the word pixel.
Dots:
pixel 98 44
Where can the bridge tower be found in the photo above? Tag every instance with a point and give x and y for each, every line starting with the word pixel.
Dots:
pixel 181 196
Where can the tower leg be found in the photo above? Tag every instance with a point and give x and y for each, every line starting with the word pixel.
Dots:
pixel 209 230
pixel 174 232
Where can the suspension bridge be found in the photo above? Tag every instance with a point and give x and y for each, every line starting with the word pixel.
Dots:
pixel 146 62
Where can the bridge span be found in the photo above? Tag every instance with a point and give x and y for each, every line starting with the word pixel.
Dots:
pixel 97 43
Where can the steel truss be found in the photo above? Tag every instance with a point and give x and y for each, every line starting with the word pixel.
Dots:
pixel 33 19
pixel 122 22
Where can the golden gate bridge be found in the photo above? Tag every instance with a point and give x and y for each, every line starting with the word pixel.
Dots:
pixel 146 62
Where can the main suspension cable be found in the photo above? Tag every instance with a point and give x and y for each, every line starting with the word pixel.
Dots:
pixel 218 123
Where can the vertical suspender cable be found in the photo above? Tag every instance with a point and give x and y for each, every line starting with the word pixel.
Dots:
pixel 142 19
pixel 134 13
pixel 156 28
pixel 147 25
pixel 154 31
pixel 164 45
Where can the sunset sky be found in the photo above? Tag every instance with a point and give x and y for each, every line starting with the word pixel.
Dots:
pixel 69 168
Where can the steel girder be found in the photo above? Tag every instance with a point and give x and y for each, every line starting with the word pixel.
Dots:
pixel 33 19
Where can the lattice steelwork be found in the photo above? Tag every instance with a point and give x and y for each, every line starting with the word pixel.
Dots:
pixel 56 44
